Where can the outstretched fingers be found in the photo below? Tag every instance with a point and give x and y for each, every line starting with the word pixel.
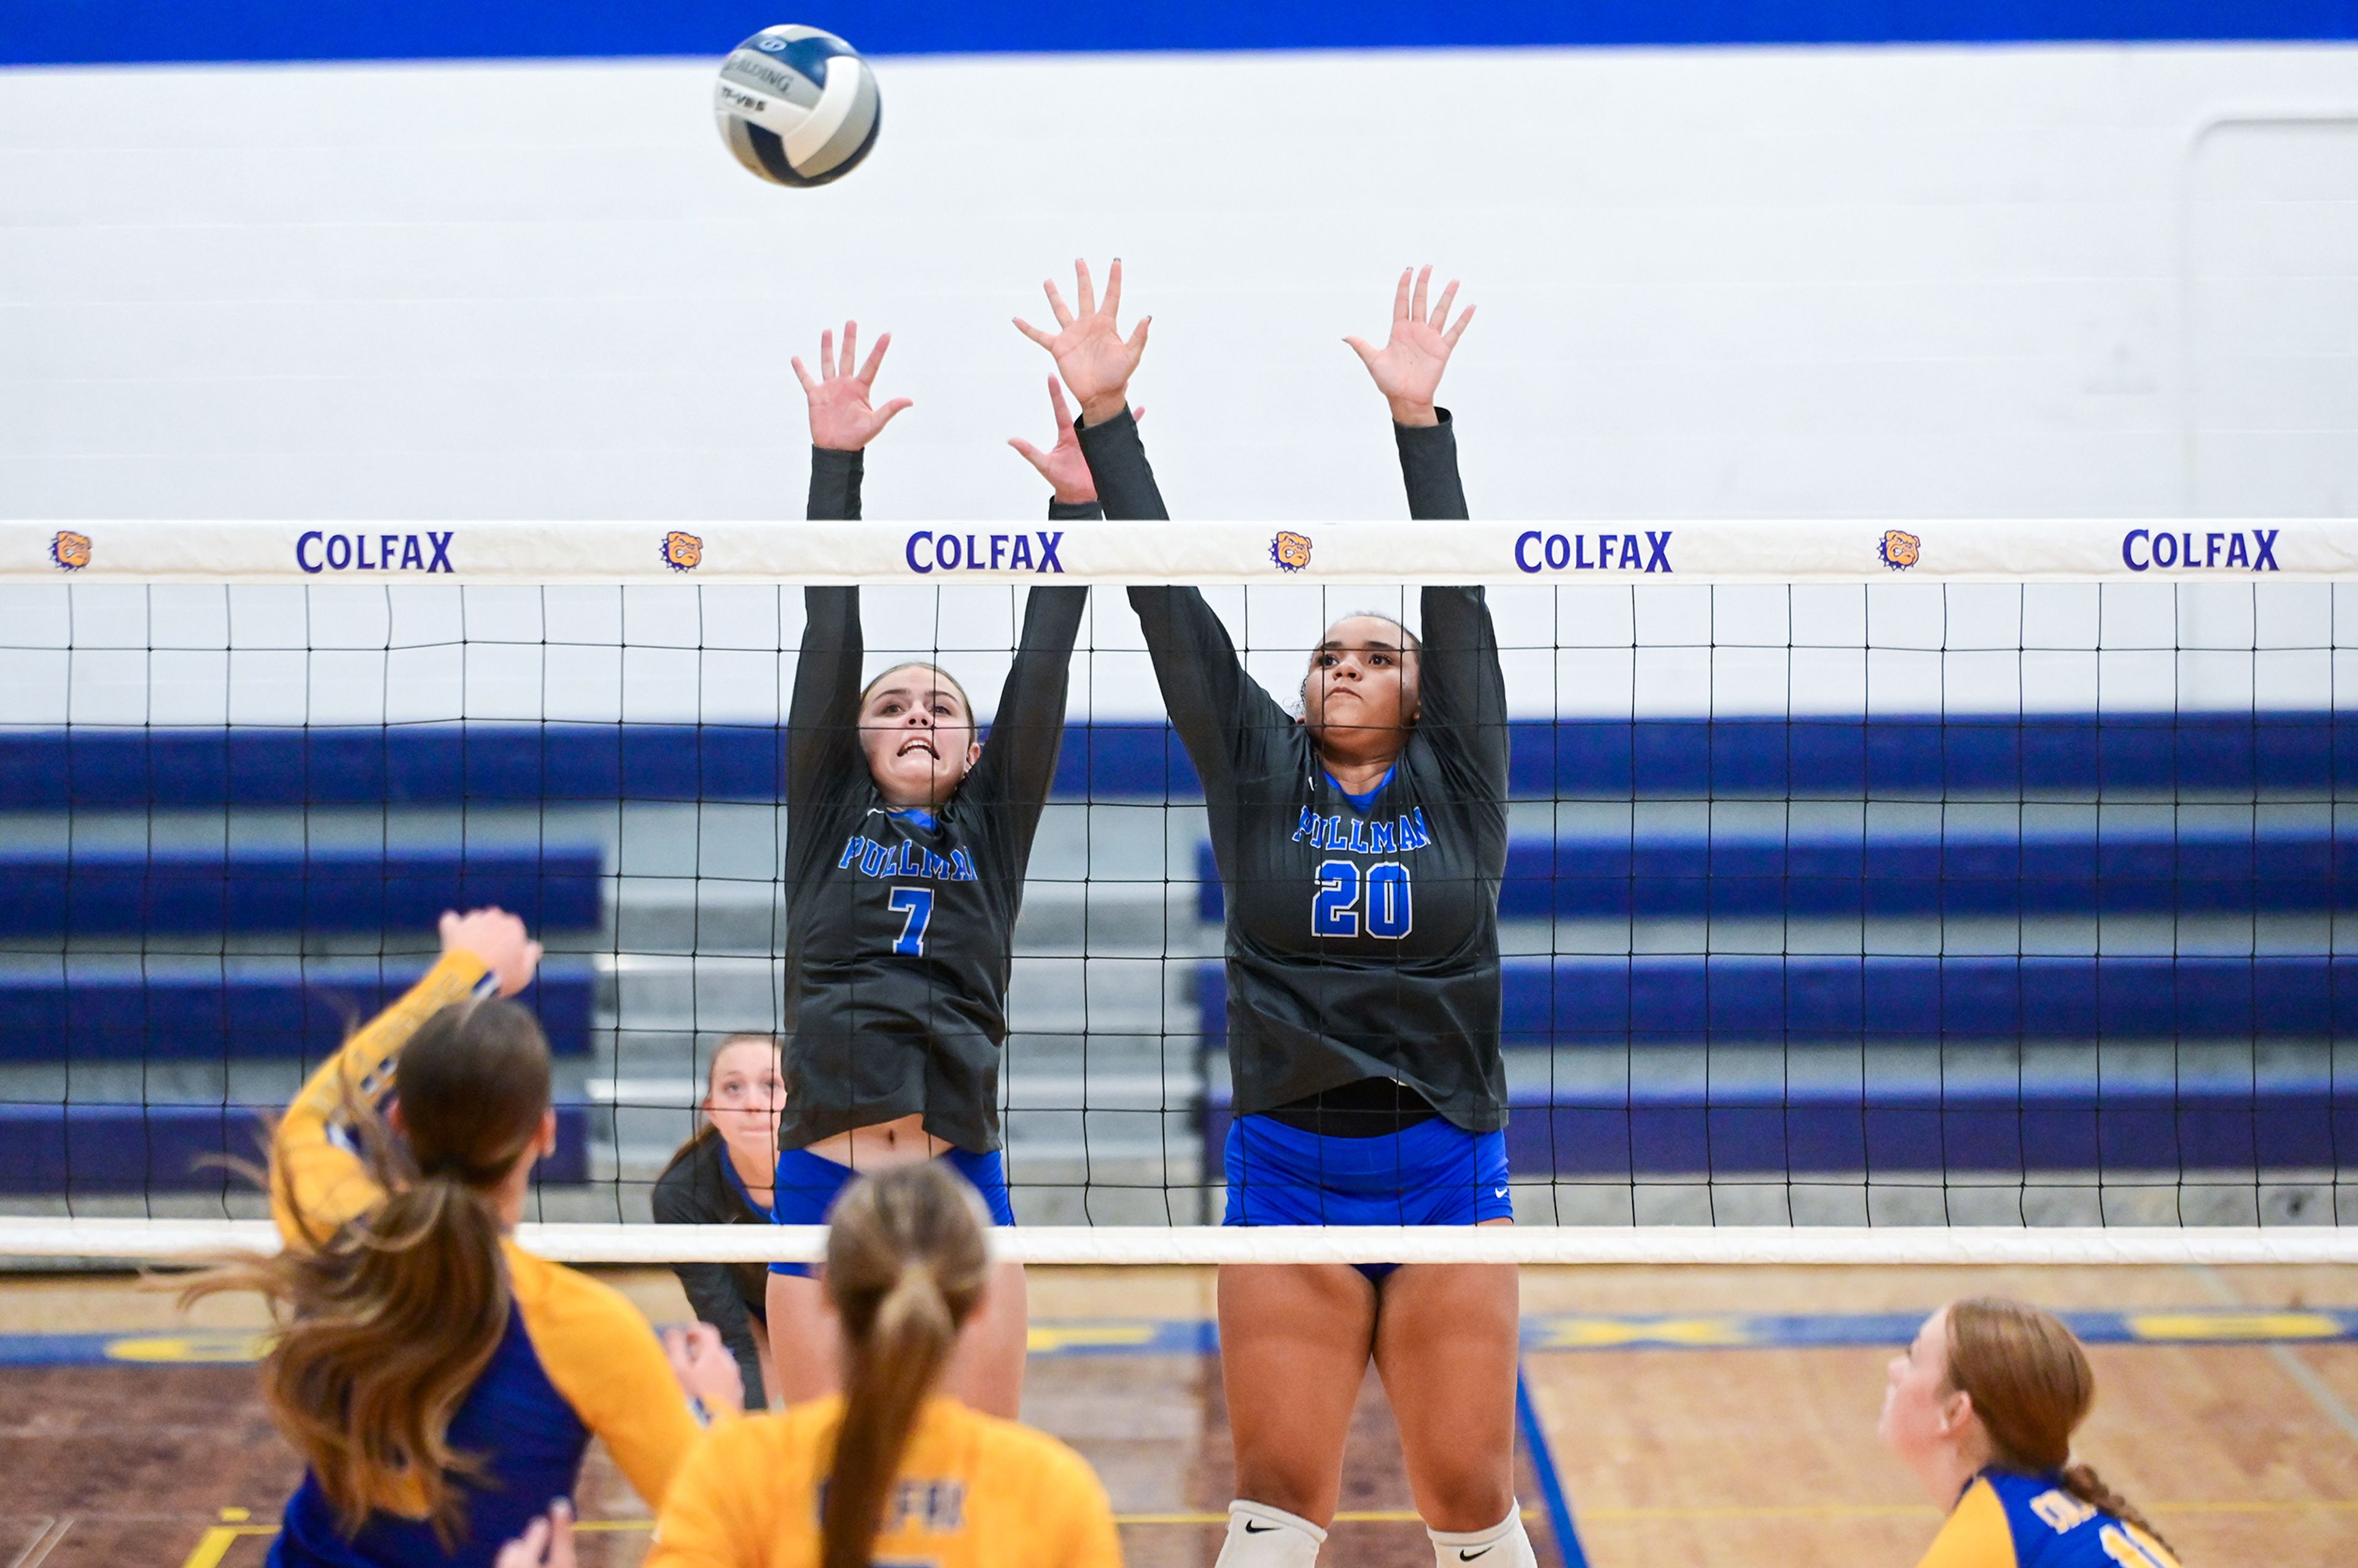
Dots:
pixel 1440 317
pixel 1416 303
pixel 803 376
pixel 1056 401
pixel 827 356
pixel 1057 305
pixel 1037 336
pixel 1399 294
pixel 1450 337
pixel 1033 455
pixel 1365 350
pixel 875 355
pixel 1113 293
pixel 884 414
pixel 850 347
pixel 1136 344
pixel 1085 287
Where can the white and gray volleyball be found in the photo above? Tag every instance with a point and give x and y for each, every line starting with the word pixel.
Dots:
pixel 797 106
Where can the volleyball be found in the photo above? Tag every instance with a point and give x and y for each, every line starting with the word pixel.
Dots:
pixel 798 106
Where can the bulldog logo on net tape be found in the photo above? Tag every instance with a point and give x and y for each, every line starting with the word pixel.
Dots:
pixel 682 552
pixel 70 550
pixel 1291 551
pixel 1899 549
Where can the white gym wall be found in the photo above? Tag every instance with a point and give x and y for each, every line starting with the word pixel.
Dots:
pixel 1902 282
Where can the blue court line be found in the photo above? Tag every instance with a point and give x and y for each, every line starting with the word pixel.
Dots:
pixel 1559 1506
pixel 1553 1332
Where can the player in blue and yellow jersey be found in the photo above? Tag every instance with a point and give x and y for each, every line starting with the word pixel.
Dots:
pixel 891 1470
pixel 1982 1406
pixel 441 1384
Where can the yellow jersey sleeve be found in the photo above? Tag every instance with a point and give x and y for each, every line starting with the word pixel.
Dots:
pixel 721 1509
pixel 307 1157
pixel 605 1360
pixel 1977 1535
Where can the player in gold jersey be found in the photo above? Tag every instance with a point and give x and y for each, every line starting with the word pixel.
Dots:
pixel 1981 1407
pixel 891 1470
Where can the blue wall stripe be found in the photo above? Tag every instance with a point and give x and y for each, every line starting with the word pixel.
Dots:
pixel 123 895
pixel 47 32
pixel 1680 999
pixel 1983 1128
pixel 1969 872
pixel 100 1010
pixel 1903 757
pixel 96 1148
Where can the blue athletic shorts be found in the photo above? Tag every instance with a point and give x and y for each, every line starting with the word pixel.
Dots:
pixel 808 1183
pixel 1435 1172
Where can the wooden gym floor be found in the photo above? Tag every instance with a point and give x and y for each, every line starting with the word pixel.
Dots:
pixel 1686 1417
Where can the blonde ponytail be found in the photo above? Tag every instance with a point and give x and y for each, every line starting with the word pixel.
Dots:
pixel 906 1267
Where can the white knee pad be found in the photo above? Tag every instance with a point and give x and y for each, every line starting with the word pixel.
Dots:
pixel 1263 1537
pixel 1504 1545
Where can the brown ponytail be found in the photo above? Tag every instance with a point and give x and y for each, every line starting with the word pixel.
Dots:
pixel 906 1267
pixel 2031 1386
pixel 383 1329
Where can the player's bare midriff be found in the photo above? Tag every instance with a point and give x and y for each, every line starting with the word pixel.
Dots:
pixel 903 1141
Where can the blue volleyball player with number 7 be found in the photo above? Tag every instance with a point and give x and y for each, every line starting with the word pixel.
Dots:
pixel 907 835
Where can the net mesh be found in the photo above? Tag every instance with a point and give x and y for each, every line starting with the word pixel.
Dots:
pixel 1912 902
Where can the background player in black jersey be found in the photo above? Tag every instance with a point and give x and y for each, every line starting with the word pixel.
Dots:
pixel 907 835
pixel 1361 846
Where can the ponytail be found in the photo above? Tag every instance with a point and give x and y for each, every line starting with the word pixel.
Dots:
pixel 2031 1386
pixel 382 1330
pixel 906 1267
pixel 2082 1482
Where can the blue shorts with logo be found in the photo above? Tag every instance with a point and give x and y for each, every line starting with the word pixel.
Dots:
pixel 808 1184
pixel 1433 1172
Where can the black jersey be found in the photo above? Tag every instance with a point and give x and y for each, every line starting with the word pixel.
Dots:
pixel 901 923
pixel 1362 930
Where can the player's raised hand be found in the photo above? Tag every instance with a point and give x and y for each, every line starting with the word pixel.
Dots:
pixel 546 1541
pixel 1062 465
pixel 1408 367
pixel 1096 361
pixel 840 416
pixel 499 939
pixel 705 1368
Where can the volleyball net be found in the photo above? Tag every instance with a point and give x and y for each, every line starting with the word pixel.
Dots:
pixel 1873 892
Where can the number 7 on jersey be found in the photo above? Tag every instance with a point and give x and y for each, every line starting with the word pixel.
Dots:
pixel 917 905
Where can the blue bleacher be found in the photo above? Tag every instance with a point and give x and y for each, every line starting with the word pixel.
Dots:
pixel 1688 999
pixel 1919 756
pixel 170 892
pixel 129 1148
pixel 1991 1127
pixel 1964 872
pixel 105 1010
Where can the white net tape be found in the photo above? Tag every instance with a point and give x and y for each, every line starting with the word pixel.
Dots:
pixel 1981 1246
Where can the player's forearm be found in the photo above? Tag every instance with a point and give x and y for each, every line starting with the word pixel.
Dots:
pixel 835 485
pixel 1117 465
pixel 1428 458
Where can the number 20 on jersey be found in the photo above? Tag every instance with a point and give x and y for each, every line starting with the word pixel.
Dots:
pixel 1378 901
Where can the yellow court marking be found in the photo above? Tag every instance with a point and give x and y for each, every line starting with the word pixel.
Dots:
pixel 2233 1325
pixel 1048 1336
pixel 1594 1332
pixel 228 1345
